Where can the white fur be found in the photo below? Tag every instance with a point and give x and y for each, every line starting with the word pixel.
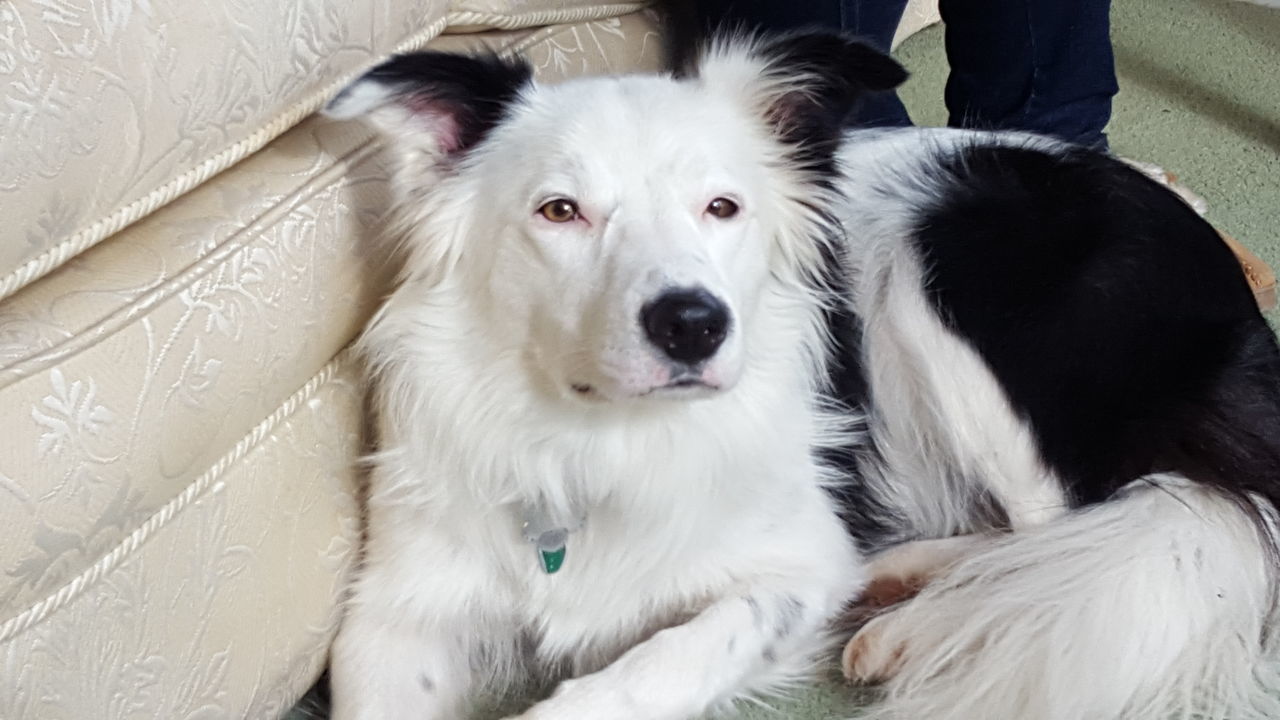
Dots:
pixel 1147 607
pixel 711 558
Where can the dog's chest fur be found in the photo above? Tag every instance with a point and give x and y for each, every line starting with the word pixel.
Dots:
pixel 681 504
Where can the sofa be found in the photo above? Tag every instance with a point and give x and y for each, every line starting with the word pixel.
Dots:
pixel 186 255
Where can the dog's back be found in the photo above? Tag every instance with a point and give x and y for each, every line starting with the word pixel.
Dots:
pixel 1058 346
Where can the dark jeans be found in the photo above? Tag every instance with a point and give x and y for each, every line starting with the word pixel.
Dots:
pixel 1043 66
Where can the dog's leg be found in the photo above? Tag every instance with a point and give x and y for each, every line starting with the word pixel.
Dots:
pixel 1149 606
pixel 900 572
pixel 408 644
pixel 897 575
pixel 385 668
pixel 746 642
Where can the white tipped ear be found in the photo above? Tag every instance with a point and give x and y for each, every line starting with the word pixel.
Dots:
pixel 359 98
pixel 732 62
pixel 805 83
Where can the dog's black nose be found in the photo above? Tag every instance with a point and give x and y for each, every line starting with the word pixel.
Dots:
pixel 687 325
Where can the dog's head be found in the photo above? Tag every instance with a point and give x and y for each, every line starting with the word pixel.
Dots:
pixel 622 235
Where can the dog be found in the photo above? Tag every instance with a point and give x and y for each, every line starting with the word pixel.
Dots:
pixel 671 355
pixel 601 426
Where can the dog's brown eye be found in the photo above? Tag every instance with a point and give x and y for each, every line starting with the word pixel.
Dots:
pixel 559 211
pixel 722 208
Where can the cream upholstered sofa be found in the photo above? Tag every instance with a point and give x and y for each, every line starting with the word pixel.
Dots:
pixel 184 261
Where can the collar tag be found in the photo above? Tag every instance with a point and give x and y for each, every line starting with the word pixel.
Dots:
pixel 549 538
pixel 551 546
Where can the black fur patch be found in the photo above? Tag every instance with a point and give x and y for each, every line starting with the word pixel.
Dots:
pixel 1116 320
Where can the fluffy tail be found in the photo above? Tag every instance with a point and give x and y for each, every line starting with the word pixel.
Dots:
pixel 1152 606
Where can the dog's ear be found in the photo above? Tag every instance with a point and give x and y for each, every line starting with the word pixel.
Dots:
pixel 454 99
pixel 805 82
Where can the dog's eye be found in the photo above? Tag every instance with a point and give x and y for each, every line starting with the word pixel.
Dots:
pixel 559 210
pixel 722 208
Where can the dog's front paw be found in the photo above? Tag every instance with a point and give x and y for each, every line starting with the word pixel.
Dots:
pixel 584 699
pixel 871 656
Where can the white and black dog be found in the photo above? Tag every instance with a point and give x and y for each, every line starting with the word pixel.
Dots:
pixel 661 342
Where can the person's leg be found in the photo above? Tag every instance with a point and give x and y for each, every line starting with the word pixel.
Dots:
pixel 876 21
pixel 1043 66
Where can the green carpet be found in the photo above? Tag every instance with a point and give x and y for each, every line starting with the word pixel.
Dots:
pixel 1199 95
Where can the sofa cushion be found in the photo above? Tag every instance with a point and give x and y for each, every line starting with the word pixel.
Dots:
pixel 113 108
pixel 223 605
pixel 134 368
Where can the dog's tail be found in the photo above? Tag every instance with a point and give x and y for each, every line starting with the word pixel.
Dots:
pixel 1152 606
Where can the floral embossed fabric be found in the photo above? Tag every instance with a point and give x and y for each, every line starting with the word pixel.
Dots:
pixel 105 102
pixel 225 611
pixel 139 364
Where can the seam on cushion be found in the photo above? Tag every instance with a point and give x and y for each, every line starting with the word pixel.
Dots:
pixel 519 21
pixel 522 44
pixel 110 323
pixel 134 211
pixel 162 517
pixel 515 46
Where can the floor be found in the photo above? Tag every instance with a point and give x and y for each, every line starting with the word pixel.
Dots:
pixel 1199 95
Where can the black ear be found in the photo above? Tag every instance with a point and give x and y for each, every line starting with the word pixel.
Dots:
pixel 832 72
pixel 456 98
pixel 844 62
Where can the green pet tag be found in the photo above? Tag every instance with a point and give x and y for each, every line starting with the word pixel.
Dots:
pixel 551 545
pixel 549 538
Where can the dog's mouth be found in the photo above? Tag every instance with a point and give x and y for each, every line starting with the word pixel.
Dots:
pixel 684 383
pixel 682 387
